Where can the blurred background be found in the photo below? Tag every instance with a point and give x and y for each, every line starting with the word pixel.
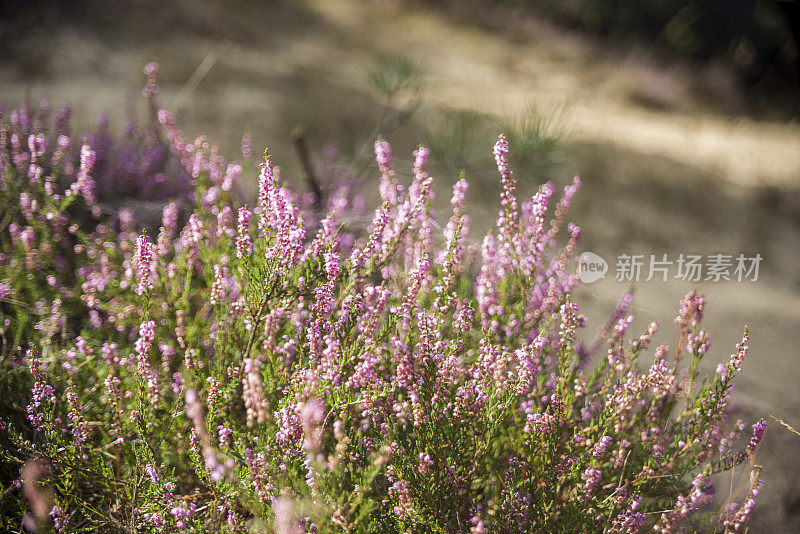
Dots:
pixel 680 116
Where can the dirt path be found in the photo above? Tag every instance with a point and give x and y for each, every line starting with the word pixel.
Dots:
pixel 475 69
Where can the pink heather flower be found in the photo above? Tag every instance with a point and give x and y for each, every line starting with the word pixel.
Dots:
pixel 692 307
pixel 177 383
pixel 391 343
pixel 600 447
pixel 84 183
pixel 507 219
pixel 290 429
pixel 193 409
pixel 194 230
pixel 37 145
pixel 42 393
pixel 14 231
pixel 258 468
pixel 144 342
pixel 661 377
pixel 253 393
pixel 417 278
pixel 412 213
pixel 534 217
pixel 742 348
pixel 266 186
pixel 247 146
pixel 142 346
pixel 359 256
pixel 563 206
pixel 271 325
pixel 27 205
pixel 234 521
pixel 421 160
pixel 541 423
pixel 216 287
pixel 312 415
pixel 182 512
pixel 478 526
pixel 152 472
pixel 570 321
pixel 244 246
pixel 401 491
pixel 630 519
pixel 332 265
pixel 324 298
pixel 425 463
pixel 126 220
pixel 758 433
pixel 224 220
pixel 459 192
pixel 169 225
pixel 62 144
pixel 383 155
pixel 591 476
pixel 702 493
pixel 194 412
pixel 451 255
pixel 143 262
pixel 60 521
pixel 77 424
pixel 529 358
pixel 179 144
pixel 280 215
pixel 224 435
pixel 232 174
pixel 697 344
pixel 151 86
pixel 616 355
pixel 214 393
pixel 389 188
pixel 743 513
pixel 114 400
pixel 190 359
pixel 28 239
pixel 644 340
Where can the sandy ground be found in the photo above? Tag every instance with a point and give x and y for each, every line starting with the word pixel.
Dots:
pixel 676 177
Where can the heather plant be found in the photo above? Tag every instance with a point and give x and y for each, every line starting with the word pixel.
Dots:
pixel 64 199
pixel 267 367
